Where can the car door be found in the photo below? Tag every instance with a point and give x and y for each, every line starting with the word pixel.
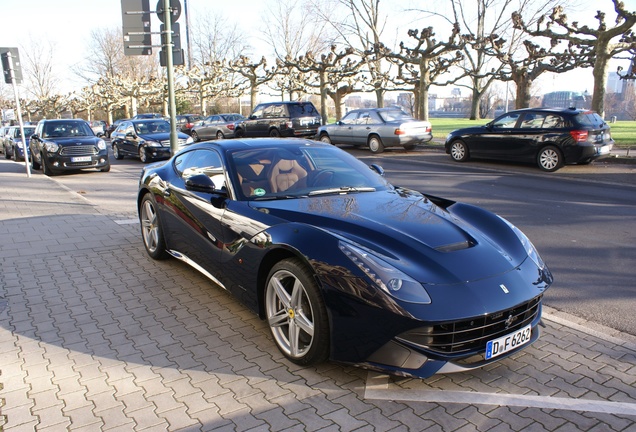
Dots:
pixel 364 124
pixel 496 138
pixel 342 130
pixel 128 138
pixel 255 121
pixel 193 218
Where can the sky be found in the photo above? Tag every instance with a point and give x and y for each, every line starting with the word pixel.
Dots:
pixel 67 24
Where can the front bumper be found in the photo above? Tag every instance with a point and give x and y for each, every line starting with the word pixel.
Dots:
pixel 156 153
pixel 59 162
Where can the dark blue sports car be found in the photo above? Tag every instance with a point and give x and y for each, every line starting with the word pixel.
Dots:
pixel 342 264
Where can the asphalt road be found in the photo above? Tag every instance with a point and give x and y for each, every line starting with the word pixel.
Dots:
pixel 582 219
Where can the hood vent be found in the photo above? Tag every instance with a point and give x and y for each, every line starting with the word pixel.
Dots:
pixel 455 246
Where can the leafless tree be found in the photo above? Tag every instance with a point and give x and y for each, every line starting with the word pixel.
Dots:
pixel 604 41
pixel 41 78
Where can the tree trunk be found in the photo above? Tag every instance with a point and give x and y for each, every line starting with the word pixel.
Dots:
pixel 523 89
pixel 474 104
pixel 323 96
pixel 425 76
pixel 601 67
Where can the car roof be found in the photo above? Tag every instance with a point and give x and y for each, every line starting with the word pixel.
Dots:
pixel 253 143
pixel 572 111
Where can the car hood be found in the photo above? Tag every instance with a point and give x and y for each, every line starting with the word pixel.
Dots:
pixel 407 230
pixel 64 141
pixel 162 136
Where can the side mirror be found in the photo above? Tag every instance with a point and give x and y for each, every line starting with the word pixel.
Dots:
pixel 130 135
pixel 377 168
pixel 203 183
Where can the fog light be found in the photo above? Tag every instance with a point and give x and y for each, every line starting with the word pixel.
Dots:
pixel 56 164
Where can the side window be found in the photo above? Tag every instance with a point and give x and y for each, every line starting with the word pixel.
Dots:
pixel 506 122
pixel 350 118
pixel 202 161
pixel 533 120
pixel 374 118
pixel 258 112
pixel 364 118
pixel 553 121
pixel 274 111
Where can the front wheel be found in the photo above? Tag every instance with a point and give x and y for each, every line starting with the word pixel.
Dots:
pixel 117 153
pixel 46 169
pixel 195 136
pixel 325 138
pixel 459 151
pixel 34 164
pixel 239 133
pixel 143 156
pixel 151 230
pixel 296 313
pixel 375 144
pixel 219 135
pixel 105 169
pixel 549 159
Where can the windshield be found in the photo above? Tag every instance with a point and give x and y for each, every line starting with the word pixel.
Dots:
pixel 28 131
pixel 66 129
pixel 152 126
pixel 295 171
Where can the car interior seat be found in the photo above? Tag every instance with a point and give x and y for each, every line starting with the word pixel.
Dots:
pixel 285 173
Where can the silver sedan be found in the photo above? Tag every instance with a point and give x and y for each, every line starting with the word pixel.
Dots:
pixel 216 126
pixel 377 128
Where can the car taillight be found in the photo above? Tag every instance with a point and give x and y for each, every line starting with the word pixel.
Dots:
pixel 230 126
pixel 189 125
pixel 579 135
pixel 399 131
pixel 289 124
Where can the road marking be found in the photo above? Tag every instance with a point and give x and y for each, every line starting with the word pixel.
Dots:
pixel 377 387
pixel 127 221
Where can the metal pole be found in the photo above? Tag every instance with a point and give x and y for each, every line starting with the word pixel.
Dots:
pixel 174 144
pixel 16 95
pixel 187 26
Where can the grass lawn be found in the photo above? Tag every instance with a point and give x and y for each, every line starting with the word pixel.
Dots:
pixel 623 132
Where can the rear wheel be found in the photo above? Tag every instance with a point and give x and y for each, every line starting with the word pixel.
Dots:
pixel 549 159
pixel 459 151
pixel 219 135
pixel 296 313
pixel 239 133
pixel 274 133
pixel 151 230
pixel 375 144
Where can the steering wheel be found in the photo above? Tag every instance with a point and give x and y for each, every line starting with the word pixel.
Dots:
pixel 321 178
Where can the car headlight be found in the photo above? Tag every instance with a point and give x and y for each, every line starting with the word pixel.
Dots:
pixel 101 144
pixel 19 144
pixel 527 245
pixel 51 147
pixel 391 280
pixel 153 144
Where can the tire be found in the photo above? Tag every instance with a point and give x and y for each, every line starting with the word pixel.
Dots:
pixel 143 156
pixel 239 133
pixel 16 158
pixel 375 144
pixel 459 151
pixel 195 136
pixel 117 153
pixel 151 229
pixel 549 159
pixel 34 165
pixel 324 138
pixel 105 169
pixel 6 153
pixel 296 313
pixel 274 133
pixel 46 169
pixel 219 135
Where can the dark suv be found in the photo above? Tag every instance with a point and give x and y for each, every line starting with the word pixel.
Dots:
pixel 287 119
pixel 550 137
pixel 63 145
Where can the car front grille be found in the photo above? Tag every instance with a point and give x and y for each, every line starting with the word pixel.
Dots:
pixel 166 143
pixel 79 150
pixel 470 335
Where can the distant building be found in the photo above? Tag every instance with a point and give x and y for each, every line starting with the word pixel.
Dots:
pixel 567 99
pixel 614 83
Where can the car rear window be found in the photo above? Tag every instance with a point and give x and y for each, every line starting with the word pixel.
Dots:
pixel 303 110
pixel 589 119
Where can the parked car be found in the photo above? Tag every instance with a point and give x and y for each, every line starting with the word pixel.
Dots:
pixel 3 132
pixel 63 145
pixel 549 137
pixel 377 128
pixel 12 143
pixel 99 127
pixel 112 127
pixel 216 126
pixel 340 263
pixel 147 140
pixel 275 119
pixel 186 122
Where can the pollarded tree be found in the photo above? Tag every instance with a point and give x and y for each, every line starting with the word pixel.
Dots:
pixel 429 59
pixel 254 74
pixel 604 40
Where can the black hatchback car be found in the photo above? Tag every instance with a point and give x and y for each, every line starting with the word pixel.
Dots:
pixel 549 137
pixel 66 145
pixel 280 119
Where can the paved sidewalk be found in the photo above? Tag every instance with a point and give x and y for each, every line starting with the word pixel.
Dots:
pixel 96 336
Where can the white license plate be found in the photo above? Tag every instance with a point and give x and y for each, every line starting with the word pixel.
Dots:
pixel 604 150
pixel 81 159
pixel 502 345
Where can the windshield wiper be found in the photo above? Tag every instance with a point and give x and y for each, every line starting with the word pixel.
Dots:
pixel 341 190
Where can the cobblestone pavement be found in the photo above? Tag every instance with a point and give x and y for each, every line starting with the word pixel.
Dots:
pixel 94 335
